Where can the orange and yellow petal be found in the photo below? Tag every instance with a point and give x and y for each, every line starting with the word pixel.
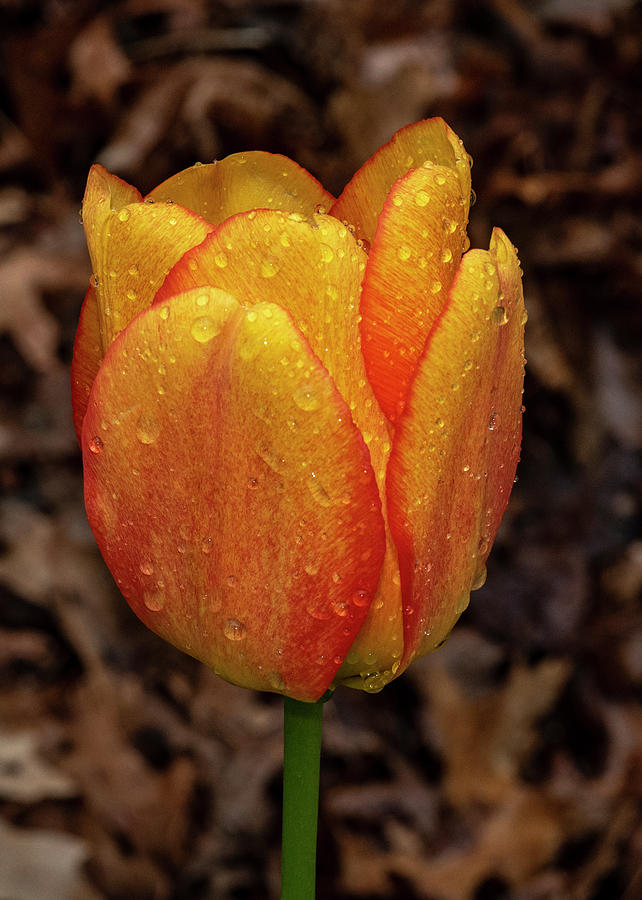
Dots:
pixel 231 494
pixel 457 445
pixel 430 140
pixel 244 181
pixel 414 257
pixel 313 268
pixel 132 246
pixel 87 357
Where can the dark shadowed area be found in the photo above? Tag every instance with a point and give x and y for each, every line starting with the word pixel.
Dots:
pixel 506 765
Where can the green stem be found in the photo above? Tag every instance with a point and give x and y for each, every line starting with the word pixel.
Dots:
pixel 301 760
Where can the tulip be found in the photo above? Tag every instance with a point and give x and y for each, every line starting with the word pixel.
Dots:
pixel 300 417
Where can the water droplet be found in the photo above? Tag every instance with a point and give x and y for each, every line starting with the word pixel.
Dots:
pixel 206 545
pixel 164 313
pixel 146 567
pixel 498 316
pixel 446 256
pixel 154 600
pixel 320 209
pixel 435 287
pixel 147 428
pixel 327 253
pixel 312 568
pixel 319 493
pixel 269 268
pixel 96 444
pixel 404 252
pixel 318 610
pixel 124 215
pixel 492 421
pixel 468 365
pixel 268 455
pixel 422 198
pixel 479 579
pixel 252 483
pixel 204 329
pixel 361 598
pixel 234 630
pixel 221 260
pixel 340 608
pixel 306 398
pixel 524 317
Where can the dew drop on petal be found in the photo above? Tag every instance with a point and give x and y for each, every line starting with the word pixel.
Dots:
pixel 154 600
pixel 306 398
pixel 204 329
pixel 361 598
pixel 146 567
pixel 479 579
pixel 147 428
pixel 234 630
pixel 269 268
pixel 498 316
pixel 96 445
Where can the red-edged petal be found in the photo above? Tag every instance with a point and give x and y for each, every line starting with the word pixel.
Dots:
pixel 244 181
pixel 87 358
pixel 457 444
pixel 231 495
pixel 429 140
pixel 414 256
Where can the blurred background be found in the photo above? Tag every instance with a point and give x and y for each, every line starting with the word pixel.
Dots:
pixel 509 763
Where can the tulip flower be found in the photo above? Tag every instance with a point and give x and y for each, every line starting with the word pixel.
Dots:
pixel 300 417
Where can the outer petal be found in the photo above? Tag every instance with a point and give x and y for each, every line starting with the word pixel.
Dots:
pixel 313 268
pixel 363 197
pixel 414 256
pixel 132 247
pixel 457 445
pixel 244 181
pixel 230 494
pixel 87 358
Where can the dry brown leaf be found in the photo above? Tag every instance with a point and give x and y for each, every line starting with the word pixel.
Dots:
pixel 98 65
pixel 36 864
pixel 24 776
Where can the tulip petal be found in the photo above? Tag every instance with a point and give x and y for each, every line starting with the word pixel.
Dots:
pixel 457 444
pixel 132 247
pixel 414 256
pixel 231 495
pixel 244 181
pixel 313 269
pixel 87 358
pixel 429 140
